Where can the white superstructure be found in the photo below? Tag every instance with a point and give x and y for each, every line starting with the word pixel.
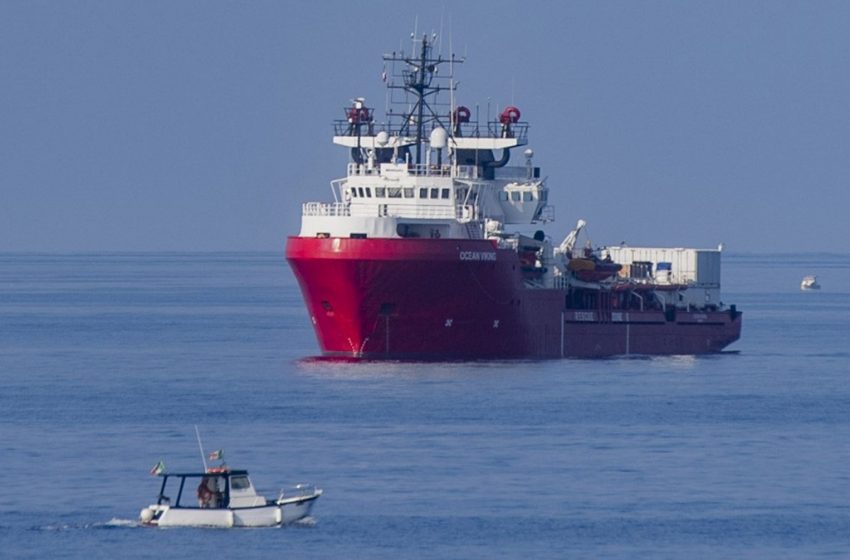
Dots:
pixel 430 170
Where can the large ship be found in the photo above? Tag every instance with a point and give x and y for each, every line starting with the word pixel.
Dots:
pixel 415 257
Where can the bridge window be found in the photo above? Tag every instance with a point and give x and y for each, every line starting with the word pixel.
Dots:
pixel 380 192
pixel 239 483
pixel 516 196
pixel 408 192
pixel 368 192
pixel 423 193
pixel 395 192
pixel 435 193
pixel 445 194
pixel 360 190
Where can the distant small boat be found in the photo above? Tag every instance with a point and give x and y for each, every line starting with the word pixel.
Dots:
pixel 225 498
pixel 810 283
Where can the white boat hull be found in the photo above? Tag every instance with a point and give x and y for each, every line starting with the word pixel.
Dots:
pixel 810 283
pixel 272 515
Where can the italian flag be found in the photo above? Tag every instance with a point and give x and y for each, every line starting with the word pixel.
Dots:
pixel 158 468
pixel 216 455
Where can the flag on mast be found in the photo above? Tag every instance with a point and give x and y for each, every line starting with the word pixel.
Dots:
pixel 216 455
pixel 158 468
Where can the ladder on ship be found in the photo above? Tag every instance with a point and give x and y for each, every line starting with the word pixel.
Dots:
pixel 474 230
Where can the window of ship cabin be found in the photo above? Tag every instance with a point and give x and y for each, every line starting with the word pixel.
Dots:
pixel 408 192
pixel 503 195
pixel 395 192
pixel 423 193
pixel 368 192
pixel 380 192
pixel 516 196
pixel 526 196
pixel 435 193
pixel 445 194
pixel 239 483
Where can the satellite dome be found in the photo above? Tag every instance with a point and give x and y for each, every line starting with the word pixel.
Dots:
pixel 439 138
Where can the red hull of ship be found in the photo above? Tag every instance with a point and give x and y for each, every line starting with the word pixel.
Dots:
pixel 449 299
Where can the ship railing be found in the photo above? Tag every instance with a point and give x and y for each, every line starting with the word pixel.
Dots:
pixel 508 243
pixel 418 170
pixel 428 211
pixel 512 173
pixel 297 491
pixel 471 129
pixel 360 169
pixel 343 127
pixel 560 282
pixel 431 170
pixel 325 209
pixel 460 212
pixel 516 130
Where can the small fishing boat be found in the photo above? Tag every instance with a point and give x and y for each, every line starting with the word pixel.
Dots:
pixel 810 283
pixel 223 497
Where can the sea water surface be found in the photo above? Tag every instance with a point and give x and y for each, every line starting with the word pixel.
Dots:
pixel 108 361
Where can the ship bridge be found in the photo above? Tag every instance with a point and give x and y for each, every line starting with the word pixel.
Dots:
pixel 426 200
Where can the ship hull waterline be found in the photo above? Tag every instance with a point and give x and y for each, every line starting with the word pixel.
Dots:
pixel 466 299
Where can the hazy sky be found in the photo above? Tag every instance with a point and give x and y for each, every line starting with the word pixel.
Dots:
pixel 184 125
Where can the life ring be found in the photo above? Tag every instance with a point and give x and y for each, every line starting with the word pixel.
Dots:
pixel 510 115
pixel 462 114
pixel 356 115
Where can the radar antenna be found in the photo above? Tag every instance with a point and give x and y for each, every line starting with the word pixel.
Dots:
pixel 420 79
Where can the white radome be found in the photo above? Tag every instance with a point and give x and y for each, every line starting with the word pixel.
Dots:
pixel 439 138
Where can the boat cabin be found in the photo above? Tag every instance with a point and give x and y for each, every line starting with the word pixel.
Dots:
pixel 215 489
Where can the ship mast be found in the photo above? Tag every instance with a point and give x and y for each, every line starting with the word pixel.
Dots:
pixel 418 77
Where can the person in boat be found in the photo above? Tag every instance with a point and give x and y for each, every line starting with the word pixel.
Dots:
pixel 208 493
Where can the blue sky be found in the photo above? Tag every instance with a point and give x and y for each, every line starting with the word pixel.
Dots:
pixel 183 125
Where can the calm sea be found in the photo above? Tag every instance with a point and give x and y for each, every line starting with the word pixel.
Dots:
pixel 108 361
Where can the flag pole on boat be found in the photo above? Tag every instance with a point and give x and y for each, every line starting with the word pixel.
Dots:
pixel 201 447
